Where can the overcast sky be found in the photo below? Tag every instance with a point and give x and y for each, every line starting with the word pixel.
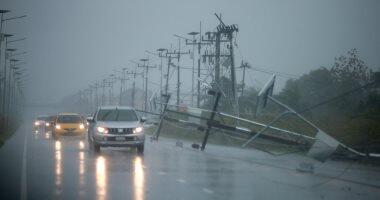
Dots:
pixel 73 43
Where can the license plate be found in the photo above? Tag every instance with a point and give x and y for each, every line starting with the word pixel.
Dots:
pixel 120 138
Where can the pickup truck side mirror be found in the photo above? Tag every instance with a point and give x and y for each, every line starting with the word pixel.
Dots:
pixel 143 119
pixel 90 120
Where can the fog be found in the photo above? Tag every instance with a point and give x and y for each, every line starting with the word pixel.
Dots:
pixel 72 44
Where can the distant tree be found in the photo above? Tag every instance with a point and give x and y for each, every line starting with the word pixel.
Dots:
pixel 309 89
pixel 349 71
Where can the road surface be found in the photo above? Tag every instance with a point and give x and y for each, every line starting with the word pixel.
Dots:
pixel 35 166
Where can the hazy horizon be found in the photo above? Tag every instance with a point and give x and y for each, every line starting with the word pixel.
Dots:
pixel 72 44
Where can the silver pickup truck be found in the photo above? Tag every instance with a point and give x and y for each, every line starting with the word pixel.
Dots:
pixel 116 126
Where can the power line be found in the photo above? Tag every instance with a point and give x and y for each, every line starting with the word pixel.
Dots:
pixel 338 97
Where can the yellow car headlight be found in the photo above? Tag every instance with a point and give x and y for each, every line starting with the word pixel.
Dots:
pixel 47 124
pixel 81 126
pixel 57 126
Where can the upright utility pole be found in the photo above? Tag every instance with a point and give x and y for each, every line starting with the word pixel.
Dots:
pixel 229 30
pixel 111 81
pixel 96 87
pixel 199 44
pixel 134 73
pixel 9 91
pixel 161 73
pixel 5 70
pixel 122 84
pixel 215 38
pixel 177 54
pixel 104 83
pixel 162 53
pixel 2 12
pixel 146 66
pixel 244 65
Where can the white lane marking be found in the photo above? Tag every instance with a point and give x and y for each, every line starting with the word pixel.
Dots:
pixel 181 180
pixel 23 171
pixel 208 191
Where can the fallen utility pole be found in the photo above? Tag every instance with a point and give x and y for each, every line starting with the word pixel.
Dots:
pixel 209 125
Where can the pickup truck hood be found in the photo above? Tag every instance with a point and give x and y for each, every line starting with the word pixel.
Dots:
pixel 111 124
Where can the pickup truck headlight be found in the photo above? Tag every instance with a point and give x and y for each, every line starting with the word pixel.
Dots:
pixel 102 130
pixel 81 126
pixel 138 130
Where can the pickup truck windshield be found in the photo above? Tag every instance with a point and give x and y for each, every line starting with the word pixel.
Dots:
pixel 116 115
pixel 42 118
pixel 69 119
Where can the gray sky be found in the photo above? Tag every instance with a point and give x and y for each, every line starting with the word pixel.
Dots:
pixel 72 43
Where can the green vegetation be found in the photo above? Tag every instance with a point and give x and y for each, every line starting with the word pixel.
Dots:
pixel 353 118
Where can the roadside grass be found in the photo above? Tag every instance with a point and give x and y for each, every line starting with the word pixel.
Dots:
pixel 4 135
pixel 7 133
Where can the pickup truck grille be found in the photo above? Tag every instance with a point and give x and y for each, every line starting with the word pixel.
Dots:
pixel 120 131
pixel 70 129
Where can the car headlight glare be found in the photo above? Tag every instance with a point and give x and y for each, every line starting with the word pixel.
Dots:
pixel 37 123
pixel 81 126
pixel 137 130
pixel 102 129
pixel 47 124
pixel 57 126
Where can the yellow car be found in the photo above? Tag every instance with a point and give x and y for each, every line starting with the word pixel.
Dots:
pixel 69 124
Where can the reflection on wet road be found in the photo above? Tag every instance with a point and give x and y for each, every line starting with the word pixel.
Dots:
pixel 101 178
pixel 138 179
pixel 58 168
pixel 67 169
pixel 80 173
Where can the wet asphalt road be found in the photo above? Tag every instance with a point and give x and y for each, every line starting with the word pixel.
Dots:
pixel 34 166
